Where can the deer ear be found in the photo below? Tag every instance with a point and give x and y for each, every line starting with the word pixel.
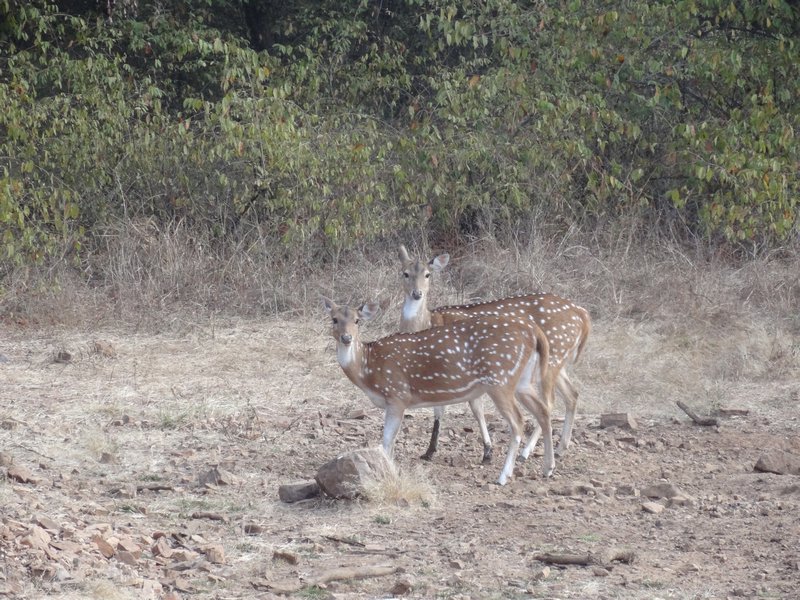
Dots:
pixel 402 254
pixel 369 310
pixel 327 304
pixel 440 262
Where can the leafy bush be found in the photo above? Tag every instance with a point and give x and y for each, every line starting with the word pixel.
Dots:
pixel 362 122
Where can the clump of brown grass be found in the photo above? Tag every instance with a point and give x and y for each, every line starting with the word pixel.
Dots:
pixel 400 487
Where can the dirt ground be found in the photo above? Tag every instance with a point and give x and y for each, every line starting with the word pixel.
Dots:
pixel 147 465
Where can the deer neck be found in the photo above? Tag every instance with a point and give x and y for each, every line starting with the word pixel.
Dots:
pixel 354 360
pixel 416 315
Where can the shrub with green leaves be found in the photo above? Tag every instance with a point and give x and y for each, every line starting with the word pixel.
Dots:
pixel 367 121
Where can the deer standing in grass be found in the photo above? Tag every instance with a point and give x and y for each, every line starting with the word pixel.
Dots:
pixel 566 326
pixel 447 365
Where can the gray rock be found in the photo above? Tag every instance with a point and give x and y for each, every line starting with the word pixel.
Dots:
pixel 664 490
pixel 347 476
pixel 294 492
pixel 778 462
pixel 621 420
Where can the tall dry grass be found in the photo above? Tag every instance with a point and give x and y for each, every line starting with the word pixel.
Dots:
pixel 692 302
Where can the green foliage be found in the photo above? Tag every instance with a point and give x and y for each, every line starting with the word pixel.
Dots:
pixel 362 122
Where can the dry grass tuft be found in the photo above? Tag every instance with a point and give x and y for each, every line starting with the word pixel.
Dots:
pixel 106 590
pixel 401 487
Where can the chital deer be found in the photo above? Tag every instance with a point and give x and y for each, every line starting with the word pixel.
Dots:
pixel 566 325
pixel 447 365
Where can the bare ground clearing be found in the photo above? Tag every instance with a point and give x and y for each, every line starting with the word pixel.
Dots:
pixel 114 448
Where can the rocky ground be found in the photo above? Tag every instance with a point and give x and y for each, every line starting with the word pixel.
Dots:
pixel 144 465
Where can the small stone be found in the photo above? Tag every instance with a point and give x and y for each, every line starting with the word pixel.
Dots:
pixel 663 490
pixel 36 538
pixel 541 574
pixel 128 545
pixel 151 589
pixel 218 476
pixel 126 491
pixel 47 523
pixel 285 555
pixel 126 557
pixel 621 420
pixel 680 501
pixel 401 587
pixel 106 549
pixel 294 492
pixel 576 488
pixel 627 490
pixel 358 413
pixel 215 554
pixel 254 528
pixel 21 474
pixel 162 548
pixel 6 459
pixel 104 349
pixel 600 571
pixel 63 357
pixel 778 462
pixel 652 507
pixel 183 555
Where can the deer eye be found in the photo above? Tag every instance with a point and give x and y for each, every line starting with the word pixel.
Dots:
pixel 427 275
pixel 405 275
pixel 335 320
pixel 358 321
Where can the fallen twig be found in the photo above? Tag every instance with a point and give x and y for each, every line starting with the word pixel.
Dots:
pixel 705 421
pixel 209 515
pixel 346 573
pixel 155 487
pixel 616 555
pixel 343 540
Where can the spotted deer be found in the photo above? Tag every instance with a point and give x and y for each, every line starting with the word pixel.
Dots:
pixel 450 364
pixel 566 326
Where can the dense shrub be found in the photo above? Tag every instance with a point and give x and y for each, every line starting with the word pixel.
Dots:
pixel 365 121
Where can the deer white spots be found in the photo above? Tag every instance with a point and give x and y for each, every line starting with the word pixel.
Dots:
pixel 430 382
pixel 566 326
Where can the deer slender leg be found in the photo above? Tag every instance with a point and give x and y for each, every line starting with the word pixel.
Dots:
pixel 438 414
pixel 504 402
pixel 478 411
pixel 541 410
pixel 392 420
pixel 570 395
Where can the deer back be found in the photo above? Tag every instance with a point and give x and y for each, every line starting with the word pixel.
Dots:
pixel 565 325
pixel 451 361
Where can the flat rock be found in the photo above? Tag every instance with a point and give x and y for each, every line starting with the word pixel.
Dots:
pixel 575 488
pixel 294 492
pixel 215 554
pixel 21 474
pixel 652 507
pixel 621 420
pixel 664 490
pixel 218 476
pixel 347 475
pixel 286 556
pixel 778 462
